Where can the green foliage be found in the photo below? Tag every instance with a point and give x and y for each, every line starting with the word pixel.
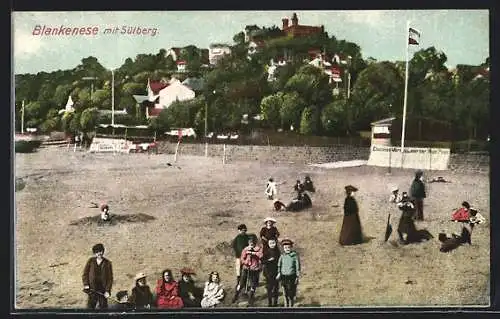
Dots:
pixel 306 124
pixel 378 93
pixel 161 123
pixel 88 119
pixel 301 95
pixel 291 110
pixel 270 109
pixel 334 118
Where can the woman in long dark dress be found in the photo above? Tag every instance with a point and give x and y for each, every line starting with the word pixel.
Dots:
pixel 351 233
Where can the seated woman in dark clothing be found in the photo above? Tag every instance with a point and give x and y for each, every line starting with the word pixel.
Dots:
pixel 298 186
pixel 308 185
pixel 407 231
pixel 141 297
pixel 453 242
pixel 302 201
pixel 190 294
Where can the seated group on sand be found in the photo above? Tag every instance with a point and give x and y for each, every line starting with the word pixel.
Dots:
pixel 168 293
pixel 298 203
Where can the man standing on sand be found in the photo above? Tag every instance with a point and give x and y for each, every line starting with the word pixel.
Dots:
pixel 97 278
pixel 417 192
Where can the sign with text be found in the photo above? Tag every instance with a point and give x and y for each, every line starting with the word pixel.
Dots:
pixel 412 157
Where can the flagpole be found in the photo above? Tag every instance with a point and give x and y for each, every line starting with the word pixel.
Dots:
pixel 406 92
pixel 22 118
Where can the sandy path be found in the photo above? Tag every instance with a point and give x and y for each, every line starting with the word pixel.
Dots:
pixel 197 209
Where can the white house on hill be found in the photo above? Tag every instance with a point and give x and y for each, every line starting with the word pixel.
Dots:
pixel 216 52
pixel 166 94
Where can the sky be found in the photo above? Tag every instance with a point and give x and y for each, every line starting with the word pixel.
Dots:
pixel 463 35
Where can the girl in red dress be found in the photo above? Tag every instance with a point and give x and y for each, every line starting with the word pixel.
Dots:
pixel 167 292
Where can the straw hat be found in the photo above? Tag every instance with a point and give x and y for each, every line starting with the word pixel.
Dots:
pixel 187 271
pixel 269 219
pixel 287 242
pixel 351 188
pixel 140 276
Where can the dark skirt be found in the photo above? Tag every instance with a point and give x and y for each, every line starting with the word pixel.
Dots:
pixel 351 233
pixel 406 224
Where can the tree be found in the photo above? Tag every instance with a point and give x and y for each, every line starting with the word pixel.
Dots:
pixel 52 121
pixel 377 93
pixel 270 109
pixel 291 110
pixel 61 94
pixel 306 125
pixel 102 99
pixel 161 123
pixel 88 119
pixel 334 118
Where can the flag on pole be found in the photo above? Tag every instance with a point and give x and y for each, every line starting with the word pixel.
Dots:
pixel 413 37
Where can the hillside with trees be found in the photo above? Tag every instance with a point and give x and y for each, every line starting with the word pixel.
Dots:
pixel 301 98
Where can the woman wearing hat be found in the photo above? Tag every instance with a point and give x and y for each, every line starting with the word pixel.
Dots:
pixel 351 233
pixel 141 296
pixel 213 294
pixel 417 192
pixel 268 231
pixel 187 290
pixel 167 292
pixel 395 196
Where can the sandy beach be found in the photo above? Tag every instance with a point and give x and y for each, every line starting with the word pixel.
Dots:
pixel 190 214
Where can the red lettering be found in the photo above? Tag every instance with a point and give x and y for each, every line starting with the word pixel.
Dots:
pixel 36 30
pixel 145 31
pixel 47 31
pixel 67 31
pixel 95 30
pixel 82 31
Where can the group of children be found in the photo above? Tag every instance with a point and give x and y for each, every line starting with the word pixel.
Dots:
pixel 168 294
pixel 252 258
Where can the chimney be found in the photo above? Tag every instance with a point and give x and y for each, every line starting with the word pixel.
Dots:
pixel 285 23
pixel 295 20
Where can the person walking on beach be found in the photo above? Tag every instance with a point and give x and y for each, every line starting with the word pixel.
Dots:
pixel 98 278
pixel 351 233
pixel 417 192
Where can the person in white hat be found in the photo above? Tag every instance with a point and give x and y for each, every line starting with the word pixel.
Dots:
pixel 141 295
pixel 395 196
pixel 268 231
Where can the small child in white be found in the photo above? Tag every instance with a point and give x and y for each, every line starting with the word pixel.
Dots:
pixel 105 212
pixel 271 189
